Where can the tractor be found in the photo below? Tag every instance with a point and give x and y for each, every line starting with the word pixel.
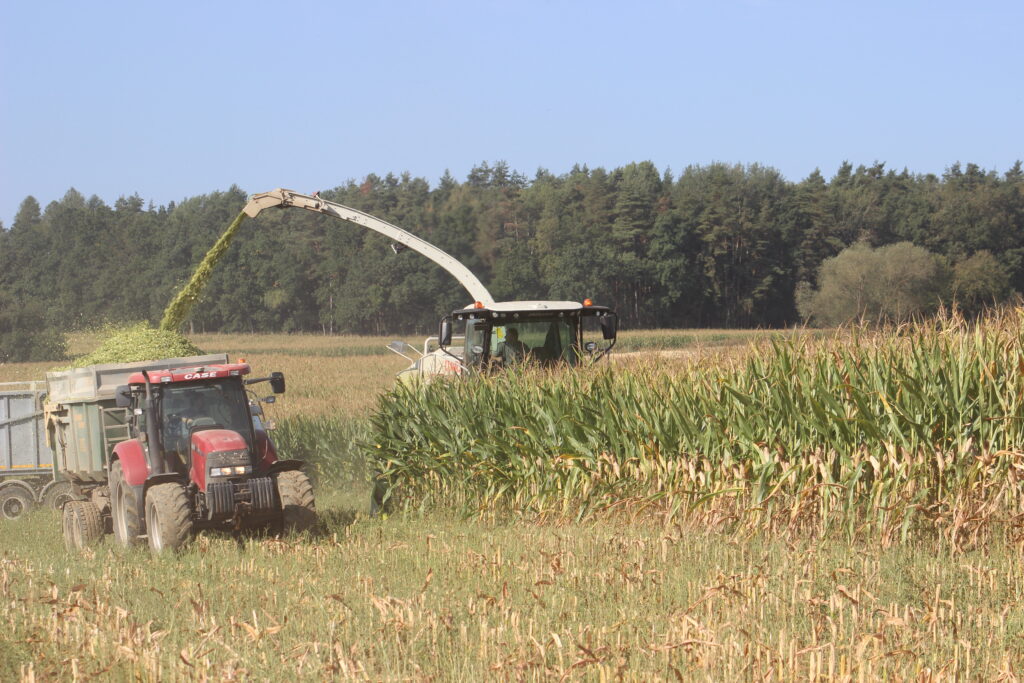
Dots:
pixel 192 453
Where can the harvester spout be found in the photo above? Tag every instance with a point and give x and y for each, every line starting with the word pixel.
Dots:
pixel 290 198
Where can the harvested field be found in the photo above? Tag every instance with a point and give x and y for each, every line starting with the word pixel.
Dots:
pixel 449 589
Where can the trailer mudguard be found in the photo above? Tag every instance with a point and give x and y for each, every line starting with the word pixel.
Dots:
pixel 133 462
pixel 24 486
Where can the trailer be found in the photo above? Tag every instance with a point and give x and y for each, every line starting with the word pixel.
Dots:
pixel 26 463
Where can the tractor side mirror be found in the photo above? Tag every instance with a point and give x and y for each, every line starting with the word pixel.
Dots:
pixel 123 396
pixel 277 382
pixel 610 326
pixel 444 336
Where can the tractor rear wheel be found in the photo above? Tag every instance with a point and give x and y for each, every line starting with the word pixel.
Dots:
pixel 15 501
pixel 83 525
pixel 127 526
pixel 298 507
pixel 168 517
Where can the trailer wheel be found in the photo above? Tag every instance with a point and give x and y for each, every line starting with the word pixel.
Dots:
pixel 57 495
pixel 168 517
pixel 14 502
pixel 123 508
pixel 298 507
pixel 83 525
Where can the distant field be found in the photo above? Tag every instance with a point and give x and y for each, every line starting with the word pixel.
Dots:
pixel 342 375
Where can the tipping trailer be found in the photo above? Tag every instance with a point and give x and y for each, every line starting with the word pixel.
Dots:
pixel 26 468
pixel 159 449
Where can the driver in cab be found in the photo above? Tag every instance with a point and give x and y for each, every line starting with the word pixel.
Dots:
pixel 183 413
pixel 512 350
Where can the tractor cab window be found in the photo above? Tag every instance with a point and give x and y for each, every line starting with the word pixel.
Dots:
pixel 187 408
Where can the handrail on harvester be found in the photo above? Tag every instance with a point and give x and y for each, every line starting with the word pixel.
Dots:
pixel 290 198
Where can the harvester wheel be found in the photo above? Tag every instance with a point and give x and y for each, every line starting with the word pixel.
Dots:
pixel 127 526
pixel 58 495
pixel 15 501
pixel 378 505
pixel 298 507
pixel 168 517
pixel 83 525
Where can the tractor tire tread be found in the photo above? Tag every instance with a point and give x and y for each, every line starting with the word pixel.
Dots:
pixel 174 515
pixel 298 505
pixel 132 523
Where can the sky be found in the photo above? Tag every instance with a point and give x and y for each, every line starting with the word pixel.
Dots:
pixel 173 100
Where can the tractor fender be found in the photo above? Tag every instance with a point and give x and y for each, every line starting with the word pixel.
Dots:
pixel 168 478
pixel 133 462
pixel 19 484
pixel 266 454
pixel 285 465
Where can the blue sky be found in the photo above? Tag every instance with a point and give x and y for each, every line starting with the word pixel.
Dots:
pixel 170 100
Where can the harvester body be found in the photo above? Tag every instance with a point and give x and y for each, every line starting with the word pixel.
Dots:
pixel 551 331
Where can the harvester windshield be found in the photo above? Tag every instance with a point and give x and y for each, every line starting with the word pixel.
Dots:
pixel 543 341
pixel 545 333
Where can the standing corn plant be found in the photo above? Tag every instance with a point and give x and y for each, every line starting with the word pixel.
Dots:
pixel 909 429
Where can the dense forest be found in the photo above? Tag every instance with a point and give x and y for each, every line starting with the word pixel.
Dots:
pixel 719 245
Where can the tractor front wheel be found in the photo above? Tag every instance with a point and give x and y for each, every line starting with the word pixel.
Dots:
pixel 168 517
pixel 298 507
pixel 83 525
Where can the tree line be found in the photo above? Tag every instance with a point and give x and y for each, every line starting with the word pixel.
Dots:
pixel 718 245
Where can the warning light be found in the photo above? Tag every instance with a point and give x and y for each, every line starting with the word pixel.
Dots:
pixel 478 304
pixel 241 360
pixel 588 302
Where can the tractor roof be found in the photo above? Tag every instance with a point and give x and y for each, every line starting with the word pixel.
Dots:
pixel 191 374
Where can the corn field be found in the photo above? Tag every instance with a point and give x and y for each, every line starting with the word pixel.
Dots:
pixel 915 429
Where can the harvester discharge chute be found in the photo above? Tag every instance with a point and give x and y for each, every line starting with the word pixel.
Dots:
pixel 495 334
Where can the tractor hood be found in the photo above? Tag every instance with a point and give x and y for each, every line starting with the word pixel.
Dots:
pixel 217 440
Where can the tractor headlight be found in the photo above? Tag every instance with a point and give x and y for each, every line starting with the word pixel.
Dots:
pixel 229 463
pixel 230 471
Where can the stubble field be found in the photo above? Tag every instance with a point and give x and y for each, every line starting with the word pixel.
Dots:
pixel 638 592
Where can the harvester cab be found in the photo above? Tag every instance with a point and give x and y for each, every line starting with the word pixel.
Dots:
pixel 507 333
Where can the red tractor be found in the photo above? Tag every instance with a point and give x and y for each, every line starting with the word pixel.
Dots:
pixel 198 456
